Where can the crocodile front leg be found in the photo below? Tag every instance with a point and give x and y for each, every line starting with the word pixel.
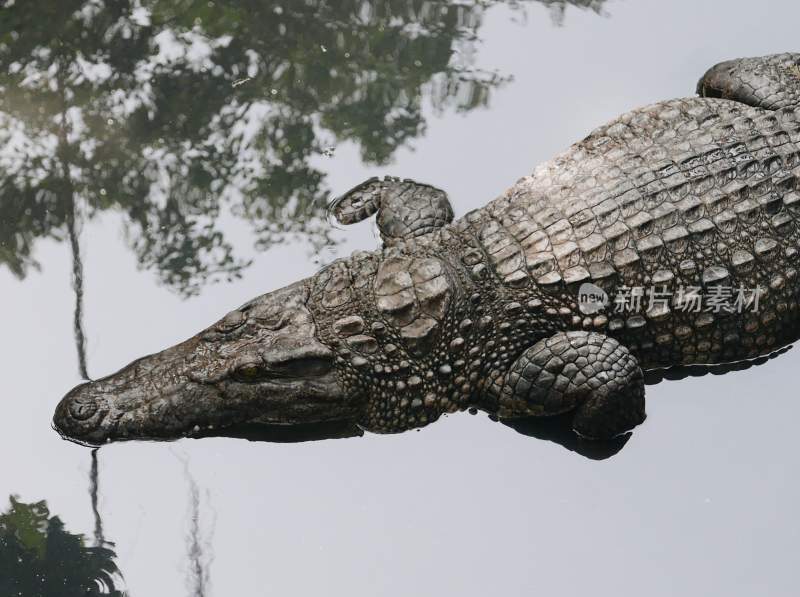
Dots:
pixel 406 209
pixel 590 374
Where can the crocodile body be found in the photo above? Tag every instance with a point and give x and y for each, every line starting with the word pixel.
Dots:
pixel 676 193
pixel 689 195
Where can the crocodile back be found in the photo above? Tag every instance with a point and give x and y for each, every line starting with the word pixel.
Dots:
pixel 684 193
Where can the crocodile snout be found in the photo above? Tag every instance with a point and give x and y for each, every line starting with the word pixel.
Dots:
pixel 80 414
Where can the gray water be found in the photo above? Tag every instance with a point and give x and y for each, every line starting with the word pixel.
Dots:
pixel 125 229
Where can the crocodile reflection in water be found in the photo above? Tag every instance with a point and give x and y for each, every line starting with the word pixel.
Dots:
pixel 171 113
pixel 556 429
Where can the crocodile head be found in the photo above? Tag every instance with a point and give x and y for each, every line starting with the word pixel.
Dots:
pixel 261 364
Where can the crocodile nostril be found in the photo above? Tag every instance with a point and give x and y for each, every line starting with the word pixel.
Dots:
pixel 83 408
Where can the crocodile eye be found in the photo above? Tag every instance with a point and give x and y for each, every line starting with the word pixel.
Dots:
pixel 231 321
pixel 247 373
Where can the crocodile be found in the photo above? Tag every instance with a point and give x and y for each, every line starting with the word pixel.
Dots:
pixel 553 300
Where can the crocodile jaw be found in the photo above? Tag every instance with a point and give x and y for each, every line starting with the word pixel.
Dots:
pixel 261 362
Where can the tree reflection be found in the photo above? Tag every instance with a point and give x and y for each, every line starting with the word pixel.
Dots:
pixel 39 557
pixel 558 8
pixel 175 113
pixel 198 547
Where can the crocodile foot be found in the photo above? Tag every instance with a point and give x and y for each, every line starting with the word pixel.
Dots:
pixel 589 374
pixel 406 209
pixel 769 82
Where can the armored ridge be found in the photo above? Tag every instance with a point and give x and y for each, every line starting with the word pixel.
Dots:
pixel 683 214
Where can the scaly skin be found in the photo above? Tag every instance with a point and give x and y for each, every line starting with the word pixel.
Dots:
pixel 687 192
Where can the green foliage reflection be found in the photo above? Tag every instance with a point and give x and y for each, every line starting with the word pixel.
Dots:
pixel 40 558
pixel 176 113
